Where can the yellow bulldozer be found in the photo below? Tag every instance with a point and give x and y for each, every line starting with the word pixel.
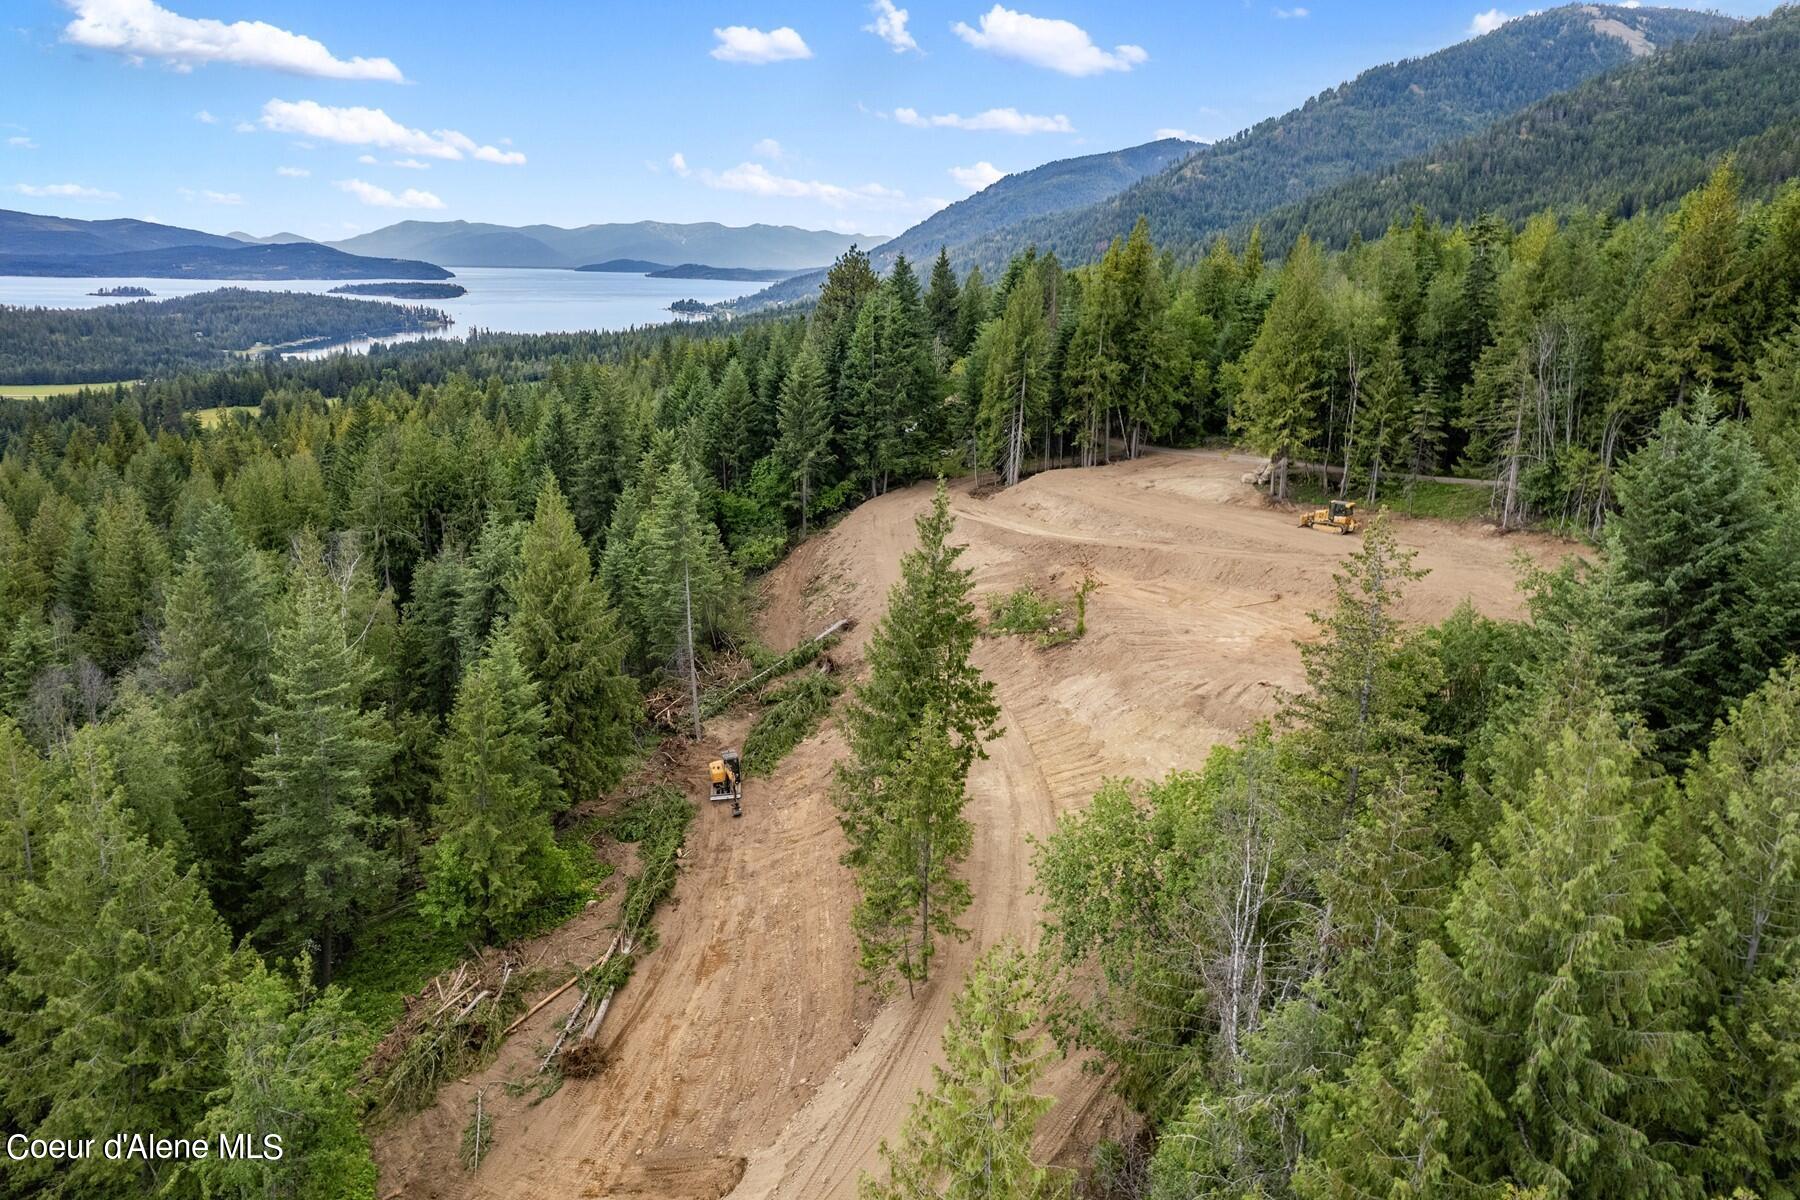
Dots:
pixel 1339 515
pixel 727 772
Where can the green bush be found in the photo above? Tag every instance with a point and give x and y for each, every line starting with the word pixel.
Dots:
pixel 1027 612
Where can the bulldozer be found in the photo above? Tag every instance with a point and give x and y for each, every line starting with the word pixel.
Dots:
pixel 1338 514
pixel 727 772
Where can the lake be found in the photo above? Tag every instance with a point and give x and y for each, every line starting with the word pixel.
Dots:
pixel 501 299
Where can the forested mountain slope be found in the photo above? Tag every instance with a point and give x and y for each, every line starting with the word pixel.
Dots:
pixel 1054 187
pixel 1383 116
pixel 1635 140
pixel 39 234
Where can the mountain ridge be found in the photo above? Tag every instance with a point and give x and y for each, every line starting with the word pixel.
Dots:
pixel 484 244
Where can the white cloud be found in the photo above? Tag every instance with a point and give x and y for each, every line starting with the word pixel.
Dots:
pixel 21 143
pixel 412 164
pixel 359 126
pixel 368 160
pixel 770 149
pixel 63 191
pixel 1182 134
pixel 741 44
pixel 1292 14
pixel 206 118
pixel 890 26
pixel 293 172
pixel 981 175
pixel 1043 42
pixel 380 197
pixel 1487 22
pixel 678 164
pixel 757 180
pixel 140 29
pixel 211 197
pixel 994 120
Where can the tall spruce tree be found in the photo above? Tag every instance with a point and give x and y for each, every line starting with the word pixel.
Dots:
pixel 494 855
pixel 941 301
pixel 1287 371
pixel 315 841
pixel 570 642
pixel 217 651
pixel 918 664
pixel 969 1136
pixel 804 428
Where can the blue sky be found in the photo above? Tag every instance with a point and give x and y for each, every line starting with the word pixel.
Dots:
pixel 330 117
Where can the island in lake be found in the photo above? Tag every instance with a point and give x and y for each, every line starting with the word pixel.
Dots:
pixel 123 290
pixel 690 308
pixel 403 291
pixel 640 266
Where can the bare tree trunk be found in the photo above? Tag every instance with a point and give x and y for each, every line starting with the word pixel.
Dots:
pixel 687 601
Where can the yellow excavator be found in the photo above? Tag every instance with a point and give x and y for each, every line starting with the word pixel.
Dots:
pixel 1339 515
pixel 728 780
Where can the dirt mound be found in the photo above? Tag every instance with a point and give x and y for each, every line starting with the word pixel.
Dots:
pixel 741 1058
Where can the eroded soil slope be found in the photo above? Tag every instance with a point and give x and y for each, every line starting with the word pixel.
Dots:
pixel 741 1059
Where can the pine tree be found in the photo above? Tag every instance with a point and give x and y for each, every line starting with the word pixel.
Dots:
pixel 1693 513
pixel 941 301
pixel 969 1136
pixel 25 812
pixel 286 1057
pixel 1773 399
pixel 129 566
pixel 217 648
pixel 1287 371
pixel 117 961
pixel 910 894
pixel 973 308
pixel 1016 388
pixel 728 418
pixel 1361 720
pixel 315 838
pixel 494 856
pixel 570 643
pixel 804 441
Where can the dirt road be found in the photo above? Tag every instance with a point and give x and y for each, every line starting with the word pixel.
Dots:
pixel 742 1060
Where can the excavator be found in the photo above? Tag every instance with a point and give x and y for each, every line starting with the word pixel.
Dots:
pixel 1339 515
pixel 728 780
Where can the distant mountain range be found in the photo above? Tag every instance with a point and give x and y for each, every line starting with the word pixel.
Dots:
pixel 472 244
pixel 1381 118
pixel 274 239
pixel 32 244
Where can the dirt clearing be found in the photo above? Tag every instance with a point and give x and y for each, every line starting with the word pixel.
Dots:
pixel 740 1059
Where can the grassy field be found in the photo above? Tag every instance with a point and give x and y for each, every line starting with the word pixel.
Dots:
pixel 39 391
pixel 1427 498
pixel 212 418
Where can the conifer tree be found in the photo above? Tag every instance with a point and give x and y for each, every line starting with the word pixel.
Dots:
pixel 315 838
pixel 969 1136
pixel 494 854
pixel 728 417
pixel 569 641
pixel 941 301
pixel 1737 837
pixel 1361 720
pixel 1565 997
pixel 1016 387
pixel 216 639
pixel 286 1056
pixel 25 812
pixel 115 1009
pixel 910 894
pixel 974 305
pixel 1286 372
pixel 129 566
pixel 918 664
pixel 804 440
